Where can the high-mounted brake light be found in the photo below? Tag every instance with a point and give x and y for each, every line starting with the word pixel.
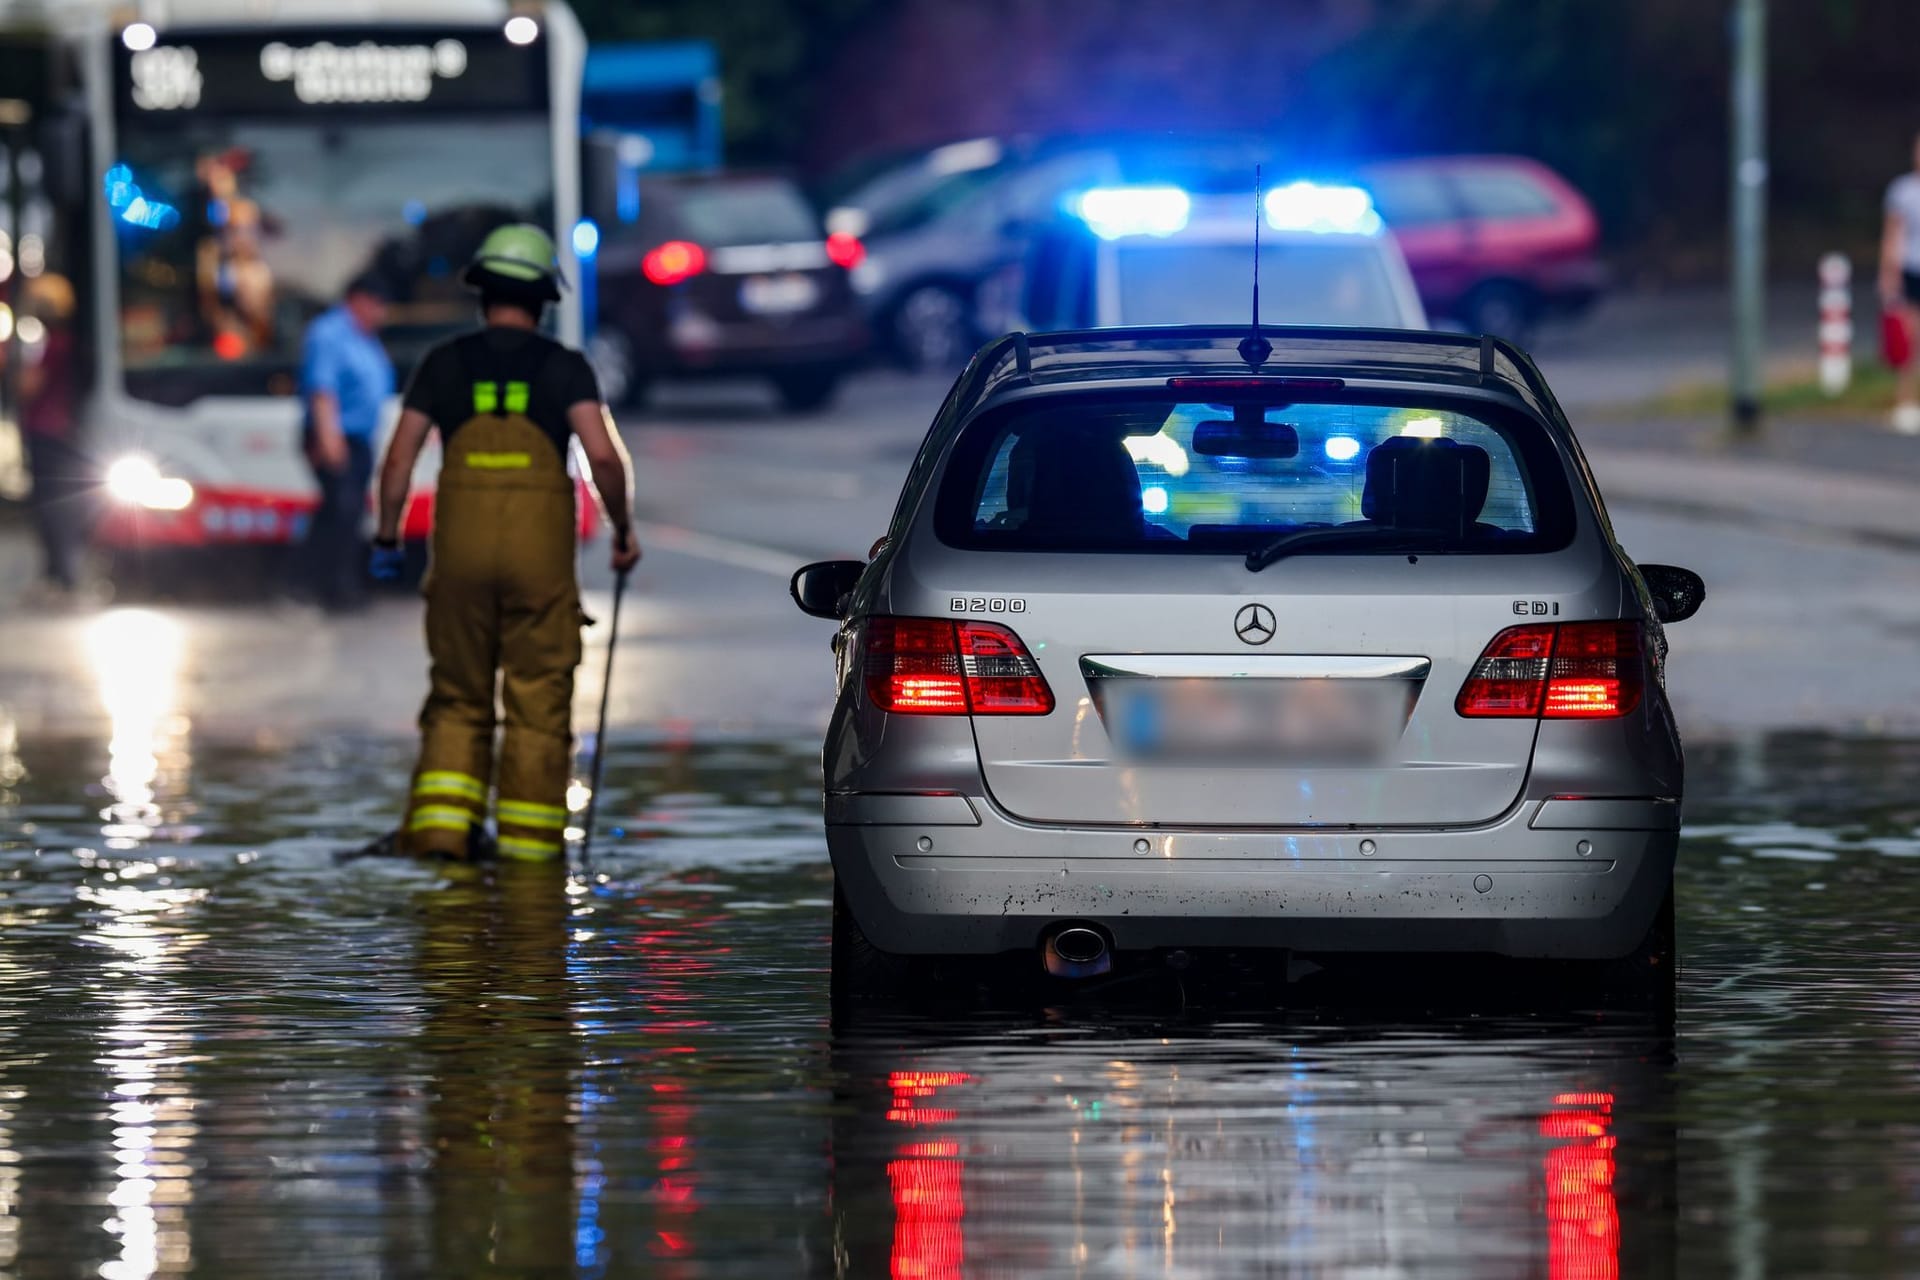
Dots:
pixel 845 250
pixel 1113 212
pixel 1558 671
pixel 940 667
pixel 1231 385
pixel 673 262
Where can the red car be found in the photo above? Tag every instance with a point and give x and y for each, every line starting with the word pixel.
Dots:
pixel 1496 243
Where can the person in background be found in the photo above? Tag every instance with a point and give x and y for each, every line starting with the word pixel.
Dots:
pixel 1900 285
pixel 346 378
pixel 49 405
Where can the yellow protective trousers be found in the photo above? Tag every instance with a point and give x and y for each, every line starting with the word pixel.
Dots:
pixel 503 607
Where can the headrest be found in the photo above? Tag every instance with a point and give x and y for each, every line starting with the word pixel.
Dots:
pixel 1076 484
pixel 1425 484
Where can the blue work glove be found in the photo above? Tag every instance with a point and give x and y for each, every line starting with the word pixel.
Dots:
pixel 387 561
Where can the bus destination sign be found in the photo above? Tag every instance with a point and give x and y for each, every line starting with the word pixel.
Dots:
pixel 227 73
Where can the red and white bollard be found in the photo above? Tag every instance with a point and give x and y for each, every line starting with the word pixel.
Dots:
pixel 1836 323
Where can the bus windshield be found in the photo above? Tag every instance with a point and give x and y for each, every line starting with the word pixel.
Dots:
pixel 275 217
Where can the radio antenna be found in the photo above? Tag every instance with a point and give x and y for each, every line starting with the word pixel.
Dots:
pixel 1255 349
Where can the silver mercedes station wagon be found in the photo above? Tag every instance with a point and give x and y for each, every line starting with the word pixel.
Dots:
pixel 1185 638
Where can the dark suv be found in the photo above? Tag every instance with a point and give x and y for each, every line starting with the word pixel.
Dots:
pixel 727 274
pixel 1495 243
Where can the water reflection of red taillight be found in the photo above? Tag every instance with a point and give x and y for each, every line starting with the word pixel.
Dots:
pixel 929 1205
pixel 1583 1216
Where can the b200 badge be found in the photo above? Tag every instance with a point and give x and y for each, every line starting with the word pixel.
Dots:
pixel 987 604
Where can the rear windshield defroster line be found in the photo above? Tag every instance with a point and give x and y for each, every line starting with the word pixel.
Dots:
pixel 1159 472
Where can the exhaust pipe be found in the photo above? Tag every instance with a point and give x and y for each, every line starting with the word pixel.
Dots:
pixel 1076 951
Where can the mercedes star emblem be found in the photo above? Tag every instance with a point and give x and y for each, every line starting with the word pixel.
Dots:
pixel 1254 624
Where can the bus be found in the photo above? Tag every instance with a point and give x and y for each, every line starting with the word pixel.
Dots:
pixel 246 159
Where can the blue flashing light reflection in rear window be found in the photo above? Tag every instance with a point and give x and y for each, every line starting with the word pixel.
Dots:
pixel 1113 212
pixel 1153 500
pixel 135 209
pixel 1342 448
pixel 1311 206
pixel 154 215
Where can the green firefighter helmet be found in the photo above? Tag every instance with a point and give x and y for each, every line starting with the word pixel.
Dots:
pixel 520 253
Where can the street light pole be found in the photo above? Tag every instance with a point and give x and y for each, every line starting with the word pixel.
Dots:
pixel 1749 212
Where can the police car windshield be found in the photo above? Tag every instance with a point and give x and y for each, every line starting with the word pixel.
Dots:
pixel 1318 280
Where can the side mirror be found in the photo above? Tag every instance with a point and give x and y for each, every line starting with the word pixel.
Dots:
pixel 821 589
pixel 1677 593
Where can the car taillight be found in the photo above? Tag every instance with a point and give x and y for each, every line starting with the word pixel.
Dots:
pixel 673 262
pixel 1559 671
pixel 845 249
pixel 940 667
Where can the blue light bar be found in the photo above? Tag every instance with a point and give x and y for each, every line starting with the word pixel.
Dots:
pixel 586 238
pixel 1311 206
pixel 1113 212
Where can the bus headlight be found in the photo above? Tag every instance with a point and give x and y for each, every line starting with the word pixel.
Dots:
pixel 135 481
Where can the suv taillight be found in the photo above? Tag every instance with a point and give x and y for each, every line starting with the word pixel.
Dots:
pixel 674 262
pixel 845 250
pixel 941 667
pixel 1559 671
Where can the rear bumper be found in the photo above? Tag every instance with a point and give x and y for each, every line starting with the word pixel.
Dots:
pixel 978 882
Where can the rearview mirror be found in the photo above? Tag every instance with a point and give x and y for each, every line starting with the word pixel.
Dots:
pixel 1677 593
pixel 822 589
pixel 1220 438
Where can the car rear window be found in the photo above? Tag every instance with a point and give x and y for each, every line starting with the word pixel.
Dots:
pixel 1502 193
pixel 1166 474
pixel 1331 281
pixel 758 211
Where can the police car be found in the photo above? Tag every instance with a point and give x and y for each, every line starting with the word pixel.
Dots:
pixel 1306 638
pixel 1164 254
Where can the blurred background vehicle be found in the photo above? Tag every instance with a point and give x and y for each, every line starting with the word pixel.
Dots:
pixel 939 224
pixel 1160 254
pixel 1496 243
pixel 726 274
pixel 239 172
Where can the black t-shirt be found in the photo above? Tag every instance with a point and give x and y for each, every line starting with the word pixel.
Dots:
pixel 557 378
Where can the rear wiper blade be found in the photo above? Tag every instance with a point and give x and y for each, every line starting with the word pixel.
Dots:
pixel 1302 539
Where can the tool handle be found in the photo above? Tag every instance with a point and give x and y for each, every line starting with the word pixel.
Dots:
pixel 600 733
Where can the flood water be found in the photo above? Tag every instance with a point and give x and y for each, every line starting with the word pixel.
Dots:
pixel 224 1054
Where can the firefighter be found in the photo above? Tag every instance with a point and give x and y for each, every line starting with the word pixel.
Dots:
pixel 501 595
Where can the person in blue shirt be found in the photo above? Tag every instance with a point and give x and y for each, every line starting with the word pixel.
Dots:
pixel 346 379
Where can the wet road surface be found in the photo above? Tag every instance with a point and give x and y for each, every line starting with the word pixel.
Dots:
pixel 224 1054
